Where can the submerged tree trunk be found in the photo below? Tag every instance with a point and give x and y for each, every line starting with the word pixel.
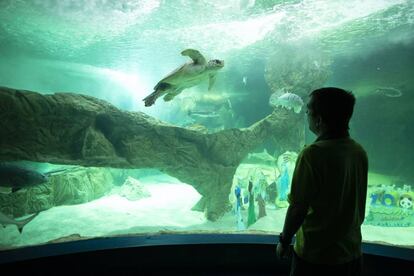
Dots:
pixel 66 128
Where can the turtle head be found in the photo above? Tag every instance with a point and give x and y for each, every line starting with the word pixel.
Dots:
pixel 215 64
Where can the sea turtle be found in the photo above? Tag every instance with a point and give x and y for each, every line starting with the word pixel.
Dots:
pixel 188 75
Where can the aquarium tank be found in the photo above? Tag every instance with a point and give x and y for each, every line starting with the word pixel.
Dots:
pixel 151 117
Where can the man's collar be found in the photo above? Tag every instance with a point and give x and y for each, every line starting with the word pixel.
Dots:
pixel 333 135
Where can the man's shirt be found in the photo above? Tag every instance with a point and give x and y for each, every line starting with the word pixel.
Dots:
pixel 331 178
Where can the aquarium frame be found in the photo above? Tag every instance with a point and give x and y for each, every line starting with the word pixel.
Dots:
pixel 107 243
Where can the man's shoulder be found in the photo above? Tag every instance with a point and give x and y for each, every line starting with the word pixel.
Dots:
pixel 357 146
pixel 309 150
pixel 361 151
pixel 318 147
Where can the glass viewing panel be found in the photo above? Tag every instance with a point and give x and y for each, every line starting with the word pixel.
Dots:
pixel 234 113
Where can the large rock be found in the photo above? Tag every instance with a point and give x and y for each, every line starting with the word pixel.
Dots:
pixel 132 189
pixel 293 69
pixel 67 128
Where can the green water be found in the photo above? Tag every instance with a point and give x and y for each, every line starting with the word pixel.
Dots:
pixel 118 51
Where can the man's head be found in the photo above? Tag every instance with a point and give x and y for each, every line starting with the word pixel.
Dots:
pixel 330 109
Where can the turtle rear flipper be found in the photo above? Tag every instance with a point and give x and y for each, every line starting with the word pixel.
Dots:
pixel 151 98
pixel 160 89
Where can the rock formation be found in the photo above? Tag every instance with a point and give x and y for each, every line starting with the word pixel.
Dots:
pixel 68 128
pixel 295 70
pixel 132 189
pixel 76 186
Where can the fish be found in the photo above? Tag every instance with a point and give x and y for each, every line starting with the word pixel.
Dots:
pixel 287 100
pixel 389 92
pixel 4 220
pixel 203 114
pixel 244 81
pixel 218 99
pixel 229 104
pixel 16 178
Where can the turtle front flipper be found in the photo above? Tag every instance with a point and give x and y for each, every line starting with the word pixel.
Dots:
pixel 211 81
pixel 195 55
pixel 160 90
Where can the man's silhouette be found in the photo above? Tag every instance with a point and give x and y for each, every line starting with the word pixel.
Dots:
pixel 328 193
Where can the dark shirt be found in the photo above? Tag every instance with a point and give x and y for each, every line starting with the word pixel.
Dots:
pixel 331 178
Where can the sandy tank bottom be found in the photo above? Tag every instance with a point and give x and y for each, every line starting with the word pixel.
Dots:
pixel 168 210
